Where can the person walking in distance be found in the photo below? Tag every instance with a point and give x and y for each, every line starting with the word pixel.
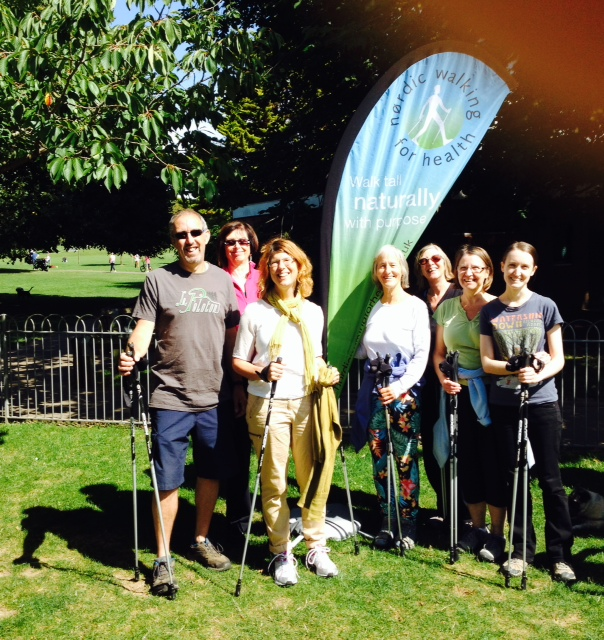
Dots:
pixel 190 308
pixel 112 263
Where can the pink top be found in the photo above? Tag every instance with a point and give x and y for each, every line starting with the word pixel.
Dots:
pixel 250 292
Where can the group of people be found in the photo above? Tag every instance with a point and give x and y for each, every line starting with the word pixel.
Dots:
pixel 238 344
pixel 226 340
pixel 489 334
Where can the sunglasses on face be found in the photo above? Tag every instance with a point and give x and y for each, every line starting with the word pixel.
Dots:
pixel 195 233
pixel 435 259
pixel 232 243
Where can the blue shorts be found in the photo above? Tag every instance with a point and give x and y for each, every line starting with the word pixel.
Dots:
pixel 171 432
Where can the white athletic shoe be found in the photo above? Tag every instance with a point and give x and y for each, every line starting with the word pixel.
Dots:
pixel 513 567
pixel 318 560
pixel 284 566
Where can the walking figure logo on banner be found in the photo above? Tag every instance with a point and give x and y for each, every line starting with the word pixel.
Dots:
pixel 433 104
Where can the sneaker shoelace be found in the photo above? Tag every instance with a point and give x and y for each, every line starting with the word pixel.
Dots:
pixel 212 548
pixel 311 556
pixel 285 557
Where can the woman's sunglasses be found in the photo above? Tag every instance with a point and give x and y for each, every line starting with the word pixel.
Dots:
pixel 232 243
pixel 435 259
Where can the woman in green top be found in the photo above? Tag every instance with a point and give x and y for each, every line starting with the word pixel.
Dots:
pixel 459 330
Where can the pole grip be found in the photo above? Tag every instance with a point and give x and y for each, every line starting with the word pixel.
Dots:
pixel 274 383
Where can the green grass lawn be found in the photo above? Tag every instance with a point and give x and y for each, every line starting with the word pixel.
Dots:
pixel 66 562
pixel 81 285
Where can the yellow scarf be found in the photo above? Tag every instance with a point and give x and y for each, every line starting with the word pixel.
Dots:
pixel 292 310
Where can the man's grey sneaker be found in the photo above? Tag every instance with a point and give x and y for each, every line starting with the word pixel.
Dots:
pixel 513 567
pixel 472 540
pixel 493 549
pixel 210 556
pixel 563 572
pixel 284 570
pixel 160 585
pixel 318 560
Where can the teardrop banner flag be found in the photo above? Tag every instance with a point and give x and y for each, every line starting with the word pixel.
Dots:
pixel 401 153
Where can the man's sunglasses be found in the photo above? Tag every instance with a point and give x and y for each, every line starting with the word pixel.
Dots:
pixel 435 259
pixel 195 233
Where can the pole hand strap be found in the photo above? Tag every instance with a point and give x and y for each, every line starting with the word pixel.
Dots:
pixel 381 369
pixel 522 360
pixel 450 366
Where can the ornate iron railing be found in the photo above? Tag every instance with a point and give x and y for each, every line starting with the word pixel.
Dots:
pixel 64 368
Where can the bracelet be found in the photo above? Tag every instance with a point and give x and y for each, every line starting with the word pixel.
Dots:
pixel 263 375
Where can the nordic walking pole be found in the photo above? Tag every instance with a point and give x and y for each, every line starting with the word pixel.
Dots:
pixel 257 484
pixel 137 573
pixel 172 588
pixel 453 427
pixel 346 482
pixel 521 460
pixel 386 369
pixel 450 367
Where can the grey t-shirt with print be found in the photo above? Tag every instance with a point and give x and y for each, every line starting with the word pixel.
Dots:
pixel 514 329
pixel 191 312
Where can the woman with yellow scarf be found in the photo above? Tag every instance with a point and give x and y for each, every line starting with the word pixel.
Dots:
pixel 284 324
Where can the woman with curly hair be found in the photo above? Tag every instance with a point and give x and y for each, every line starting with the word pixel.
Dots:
pixel 397 326
pixel 284 324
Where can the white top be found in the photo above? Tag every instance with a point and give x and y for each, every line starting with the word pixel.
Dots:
pixel 399 329
pixel 258 324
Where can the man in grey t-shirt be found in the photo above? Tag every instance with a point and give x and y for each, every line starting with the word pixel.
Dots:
pixel 191 308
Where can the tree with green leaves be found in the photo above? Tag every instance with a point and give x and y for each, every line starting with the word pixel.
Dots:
pixel 91 100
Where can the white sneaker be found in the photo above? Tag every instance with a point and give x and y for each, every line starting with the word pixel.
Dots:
pixel 284 566
pixel 513 567
pixel 318 560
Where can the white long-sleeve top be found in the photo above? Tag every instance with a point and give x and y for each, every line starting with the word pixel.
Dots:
pixel 403 329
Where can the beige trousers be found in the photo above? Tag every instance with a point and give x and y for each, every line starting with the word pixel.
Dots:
pixel 287 430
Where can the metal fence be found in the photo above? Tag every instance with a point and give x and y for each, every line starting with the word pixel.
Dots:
pixel 580 383
pixel 63 368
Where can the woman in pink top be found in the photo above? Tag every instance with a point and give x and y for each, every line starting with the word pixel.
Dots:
pixel 237 242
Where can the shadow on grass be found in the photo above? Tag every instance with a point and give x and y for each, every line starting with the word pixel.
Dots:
pixel 580 477
pixel 11 271
pixel 103 531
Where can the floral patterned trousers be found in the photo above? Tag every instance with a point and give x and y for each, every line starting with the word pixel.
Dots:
pixel 404 430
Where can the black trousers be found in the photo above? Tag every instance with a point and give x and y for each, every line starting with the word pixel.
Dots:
pixel 544 433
